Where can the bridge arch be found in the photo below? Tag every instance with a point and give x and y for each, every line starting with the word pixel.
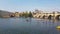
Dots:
pixel 43 16
pixel 11 15
pixel 58 17
pixel 39 16
pixel 50 17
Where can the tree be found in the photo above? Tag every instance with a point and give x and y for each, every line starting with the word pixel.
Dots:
pixel 26 14
pixel 30 14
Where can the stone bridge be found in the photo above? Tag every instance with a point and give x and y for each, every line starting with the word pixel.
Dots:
pixel 53 15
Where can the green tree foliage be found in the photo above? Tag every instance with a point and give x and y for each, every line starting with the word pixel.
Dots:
pixel 23 14
pixel 30 14
pixel 26 14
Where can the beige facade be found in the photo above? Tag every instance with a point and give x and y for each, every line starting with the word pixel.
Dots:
pixel 17 14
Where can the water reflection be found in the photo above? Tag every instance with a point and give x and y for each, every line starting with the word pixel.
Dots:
pixel 28 26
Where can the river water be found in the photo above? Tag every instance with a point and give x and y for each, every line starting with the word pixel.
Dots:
pixel 28 26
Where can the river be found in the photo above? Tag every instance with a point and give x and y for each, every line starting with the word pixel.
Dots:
pixel 28 26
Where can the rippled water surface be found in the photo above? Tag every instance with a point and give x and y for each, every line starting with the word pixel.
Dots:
pixel 28 26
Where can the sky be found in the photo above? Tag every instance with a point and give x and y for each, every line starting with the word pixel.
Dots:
pixel 29 5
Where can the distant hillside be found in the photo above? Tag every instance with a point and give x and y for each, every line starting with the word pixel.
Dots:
pixel 4 13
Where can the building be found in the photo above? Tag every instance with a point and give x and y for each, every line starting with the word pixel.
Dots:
pixel 17 14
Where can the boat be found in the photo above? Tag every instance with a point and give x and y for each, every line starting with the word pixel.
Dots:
pixel 58 27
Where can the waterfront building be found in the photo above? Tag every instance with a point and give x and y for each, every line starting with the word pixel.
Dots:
pixel 17 14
